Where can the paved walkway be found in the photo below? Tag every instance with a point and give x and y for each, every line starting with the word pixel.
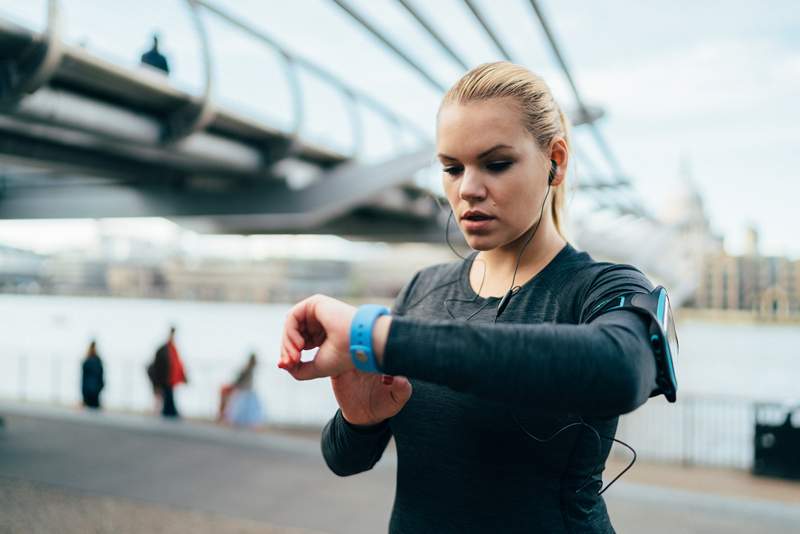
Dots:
pixel 68 471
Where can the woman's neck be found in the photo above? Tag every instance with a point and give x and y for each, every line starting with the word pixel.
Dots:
pixel 500 262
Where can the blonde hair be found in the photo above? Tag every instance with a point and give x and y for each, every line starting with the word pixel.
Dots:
pixel 540 113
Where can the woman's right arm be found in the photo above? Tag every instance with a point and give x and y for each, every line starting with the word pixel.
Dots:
pixel 349 449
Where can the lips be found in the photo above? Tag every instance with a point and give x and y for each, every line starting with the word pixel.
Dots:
pixel 476 215
pixel 476 221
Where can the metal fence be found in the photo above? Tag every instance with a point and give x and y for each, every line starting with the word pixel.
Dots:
pixel 696 430
pixel 54 379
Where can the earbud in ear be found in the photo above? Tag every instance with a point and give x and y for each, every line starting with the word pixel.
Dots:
pixel 553 169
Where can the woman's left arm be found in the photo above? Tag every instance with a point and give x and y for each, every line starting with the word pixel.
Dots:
pixel 603 368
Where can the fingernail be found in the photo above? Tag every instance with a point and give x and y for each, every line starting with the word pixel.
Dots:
pixel 387 379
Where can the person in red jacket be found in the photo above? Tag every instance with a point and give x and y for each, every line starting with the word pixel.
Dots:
pixel 165 373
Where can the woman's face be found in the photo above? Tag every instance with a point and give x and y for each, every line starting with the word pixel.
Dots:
pixel 493 172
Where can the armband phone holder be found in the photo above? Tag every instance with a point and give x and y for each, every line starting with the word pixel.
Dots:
pixel 662 336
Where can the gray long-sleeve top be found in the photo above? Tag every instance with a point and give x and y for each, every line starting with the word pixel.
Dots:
pixel 465 460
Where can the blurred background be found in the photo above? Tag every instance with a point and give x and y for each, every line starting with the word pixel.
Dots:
pixel 204 165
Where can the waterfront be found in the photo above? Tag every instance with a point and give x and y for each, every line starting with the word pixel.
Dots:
pixel 44 339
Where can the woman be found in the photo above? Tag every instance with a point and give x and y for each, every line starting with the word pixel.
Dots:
pixel 242 406
pixel 92 382
pixel 502 399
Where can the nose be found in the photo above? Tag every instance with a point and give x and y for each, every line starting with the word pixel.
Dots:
pixel 472 187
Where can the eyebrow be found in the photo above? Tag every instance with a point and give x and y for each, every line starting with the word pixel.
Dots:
pixel 482 154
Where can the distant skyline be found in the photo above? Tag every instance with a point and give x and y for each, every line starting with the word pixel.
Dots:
pixel 65 235
pixel 714 82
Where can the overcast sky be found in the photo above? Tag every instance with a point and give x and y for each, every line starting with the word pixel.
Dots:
pixel 714 83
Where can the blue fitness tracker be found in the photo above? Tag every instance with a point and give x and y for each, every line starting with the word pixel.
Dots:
pixel 361 337
pixel 663 338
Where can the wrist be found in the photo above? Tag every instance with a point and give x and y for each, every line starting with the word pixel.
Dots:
pixel 380 334
pixel 364 426
pixel 362 335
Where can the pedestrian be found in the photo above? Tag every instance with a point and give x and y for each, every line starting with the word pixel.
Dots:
pixel 165 373
pixel 155 58
pixel 92 381
pixel 243 406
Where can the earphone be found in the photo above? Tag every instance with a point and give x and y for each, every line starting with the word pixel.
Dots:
pixel 513 290
pixel 501 307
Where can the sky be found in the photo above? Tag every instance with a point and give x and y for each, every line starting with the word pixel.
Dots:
pixel 712 84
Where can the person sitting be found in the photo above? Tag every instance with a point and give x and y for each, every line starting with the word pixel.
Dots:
pixel 243 407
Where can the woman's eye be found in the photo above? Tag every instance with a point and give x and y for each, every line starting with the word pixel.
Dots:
pixel 499 166
pixel 453 171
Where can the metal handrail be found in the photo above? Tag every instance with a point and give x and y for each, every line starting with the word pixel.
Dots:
pixel 433 33
pixel 394 48
pixel 298 61
pixel 486 28
pixel 37 76
pixel 599 139
pixel 198 114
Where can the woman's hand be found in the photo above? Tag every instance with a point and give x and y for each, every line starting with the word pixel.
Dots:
pixel 368 398
pixel 317 321
pixel 324 322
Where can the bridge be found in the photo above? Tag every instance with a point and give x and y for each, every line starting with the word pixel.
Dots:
pixel 85 137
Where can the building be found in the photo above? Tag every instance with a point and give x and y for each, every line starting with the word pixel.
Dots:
pixel 766 285
pixel 273 280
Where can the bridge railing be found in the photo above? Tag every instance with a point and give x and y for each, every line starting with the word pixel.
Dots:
pixel 360 108
pixel 294 64
pixel 698 430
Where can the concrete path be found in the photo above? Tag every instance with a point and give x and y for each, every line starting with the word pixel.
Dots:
pixel 70 471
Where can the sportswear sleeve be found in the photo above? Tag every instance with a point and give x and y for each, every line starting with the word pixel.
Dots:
pixel 602 368
pixel 349 449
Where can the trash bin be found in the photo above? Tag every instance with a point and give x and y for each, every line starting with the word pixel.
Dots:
pixel 777 441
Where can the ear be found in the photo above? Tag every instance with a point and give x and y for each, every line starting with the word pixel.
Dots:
pixel 560 154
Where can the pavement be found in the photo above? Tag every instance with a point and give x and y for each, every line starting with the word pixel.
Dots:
pixel 65 470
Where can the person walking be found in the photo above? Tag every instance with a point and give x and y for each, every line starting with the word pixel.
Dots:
pixel 165 373
pixel 155 58
pixel 92 380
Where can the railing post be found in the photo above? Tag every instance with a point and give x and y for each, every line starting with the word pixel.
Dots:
pixel 687 431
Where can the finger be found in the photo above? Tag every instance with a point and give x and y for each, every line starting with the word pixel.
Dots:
pixel 287 360
pixel 294 334
pixel 400 390
pixel 293 339
pixel 305 371
pixel 296 337
pixel 287 349
pixel 282 358
pixel 302 326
